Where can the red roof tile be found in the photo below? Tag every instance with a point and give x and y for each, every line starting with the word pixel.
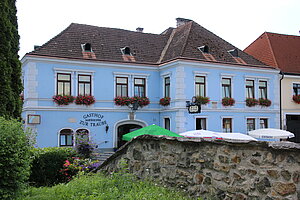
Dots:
pixel 282 51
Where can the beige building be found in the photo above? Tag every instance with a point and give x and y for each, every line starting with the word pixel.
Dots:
pixel 283 52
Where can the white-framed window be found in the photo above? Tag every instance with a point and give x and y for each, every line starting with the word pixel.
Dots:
pixel 296 88
pixel 263 123
pixel 226 87
pixel 66 137
pixel 250 124
pixel 250 88
pixel 262 89
pixel 167 86
pixel 200 86
pixel 167 123
pixel 200 123
pixel 73 81
pixel 130 84
pixel 227 124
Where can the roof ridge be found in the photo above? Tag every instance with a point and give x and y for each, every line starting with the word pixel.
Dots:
pixel 188 35
pixel 270 46
pixel 163 52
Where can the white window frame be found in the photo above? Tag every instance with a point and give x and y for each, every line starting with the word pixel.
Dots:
pixel 201 117
pixel 163 76
pixel 293 87
pixel 167 117
pixel 268 87
pixel 131 77
pixel 254 85
pixel 232 122
pixel 205 75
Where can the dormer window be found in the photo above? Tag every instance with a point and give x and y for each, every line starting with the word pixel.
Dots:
pixel 126 51
pixel 234 52
pixel 204 49
pixel 87 47
pixel 205 52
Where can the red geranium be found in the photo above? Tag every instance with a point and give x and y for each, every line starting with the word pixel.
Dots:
pixel 85 100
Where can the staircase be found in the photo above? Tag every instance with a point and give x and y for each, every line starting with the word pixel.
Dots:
pixel 102 156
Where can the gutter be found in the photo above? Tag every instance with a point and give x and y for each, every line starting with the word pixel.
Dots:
pixel 280 98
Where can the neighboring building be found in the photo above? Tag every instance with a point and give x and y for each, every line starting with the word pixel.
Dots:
pixel 283 52
pixel 179 63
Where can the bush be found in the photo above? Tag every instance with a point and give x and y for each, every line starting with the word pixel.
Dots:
pixel 227 101
pixel 84 146
pixel 264 102
pixel 14 158
pixel 47 164
pixel 250 102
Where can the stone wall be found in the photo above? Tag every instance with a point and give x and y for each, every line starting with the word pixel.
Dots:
pixel 215 169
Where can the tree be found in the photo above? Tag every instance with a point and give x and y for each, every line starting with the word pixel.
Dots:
pixel 10 66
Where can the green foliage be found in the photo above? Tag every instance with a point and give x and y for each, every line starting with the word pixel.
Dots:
pixel 84 146
pixel 10 66
pixel 14 158
pixel 99 186
pixel 47 164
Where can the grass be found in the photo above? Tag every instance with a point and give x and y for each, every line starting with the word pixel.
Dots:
pixel 98 186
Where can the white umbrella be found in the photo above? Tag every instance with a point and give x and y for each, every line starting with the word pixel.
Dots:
pixel 201 134
pixel 237 136
pixel 271 133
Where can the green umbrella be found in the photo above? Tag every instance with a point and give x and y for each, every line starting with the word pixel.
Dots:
pixel 149 130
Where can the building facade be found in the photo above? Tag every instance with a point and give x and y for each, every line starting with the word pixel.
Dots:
pixel 282 51
pixel 105 63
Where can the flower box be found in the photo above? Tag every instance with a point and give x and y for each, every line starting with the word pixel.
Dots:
pixel 202 100
pixel 227 101
pixel 84 100
pixel 63 99
pixel 142 101
pixel 122 101
pixel 264 102
pixel 296 99
pixel 250 102
pixel 165 101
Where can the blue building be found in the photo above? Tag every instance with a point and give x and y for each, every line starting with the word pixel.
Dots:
pixel 179 63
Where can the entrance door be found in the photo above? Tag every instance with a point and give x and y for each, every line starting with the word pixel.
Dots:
pixel 293 125
pixel 123 129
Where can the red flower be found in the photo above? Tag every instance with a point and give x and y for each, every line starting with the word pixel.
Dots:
pixel 165 101
pixel 85 100
pixel 228 101
pixel 63 100
pixel 296 99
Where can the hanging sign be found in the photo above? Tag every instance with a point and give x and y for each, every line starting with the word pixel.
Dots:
pixel 93 120
pixel 194 108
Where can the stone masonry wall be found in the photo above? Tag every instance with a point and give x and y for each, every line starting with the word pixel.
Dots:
pixel 215 169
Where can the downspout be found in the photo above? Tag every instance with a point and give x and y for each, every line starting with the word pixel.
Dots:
pixel 280 101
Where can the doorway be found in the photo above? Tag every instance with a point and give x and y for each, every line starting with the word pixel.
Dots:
pixel 293 125
pixel 124 129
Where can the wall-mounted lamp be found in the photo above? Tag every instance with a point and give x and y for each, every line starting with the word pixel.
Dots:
pixel 134 106
pixel 106 128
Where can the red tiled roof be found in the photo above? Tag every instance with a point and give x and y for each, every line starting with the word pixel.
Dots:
pixel 106 44
pixel 282 51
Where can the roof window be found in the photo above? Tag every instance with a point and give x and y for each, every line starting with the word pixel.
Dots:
pixel 126 51
pixel 204 49
pixel 87 47
pixel 234 52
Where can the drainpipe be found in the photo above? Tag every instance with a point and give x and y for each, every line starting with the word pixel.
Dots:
pixel 280 103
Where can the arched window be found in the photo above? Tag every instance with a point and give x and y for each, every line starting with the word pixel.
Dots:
pixel 82 134
pixel 66 137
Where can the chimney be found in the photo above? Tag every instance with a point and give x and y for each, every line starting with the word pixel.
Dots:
pixel 182 21
pixel 36 47
pixel 139 29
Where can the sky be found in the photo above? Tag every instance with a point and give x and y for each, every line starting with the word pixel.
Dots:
pixel 239 22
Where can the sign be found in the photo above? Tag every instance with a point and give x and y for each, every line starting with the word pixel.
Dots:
pixel 194 108
pixel 33 119
pixel 93 120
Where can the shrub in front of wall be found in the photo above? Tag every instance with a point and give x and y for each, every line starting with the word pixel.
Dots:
pixel 84 146
pixel 47 164
pixel 14 158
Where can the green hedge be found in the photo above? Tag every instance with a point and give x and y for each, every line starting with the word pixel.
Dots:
pixel 14 158
pixel 47 163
